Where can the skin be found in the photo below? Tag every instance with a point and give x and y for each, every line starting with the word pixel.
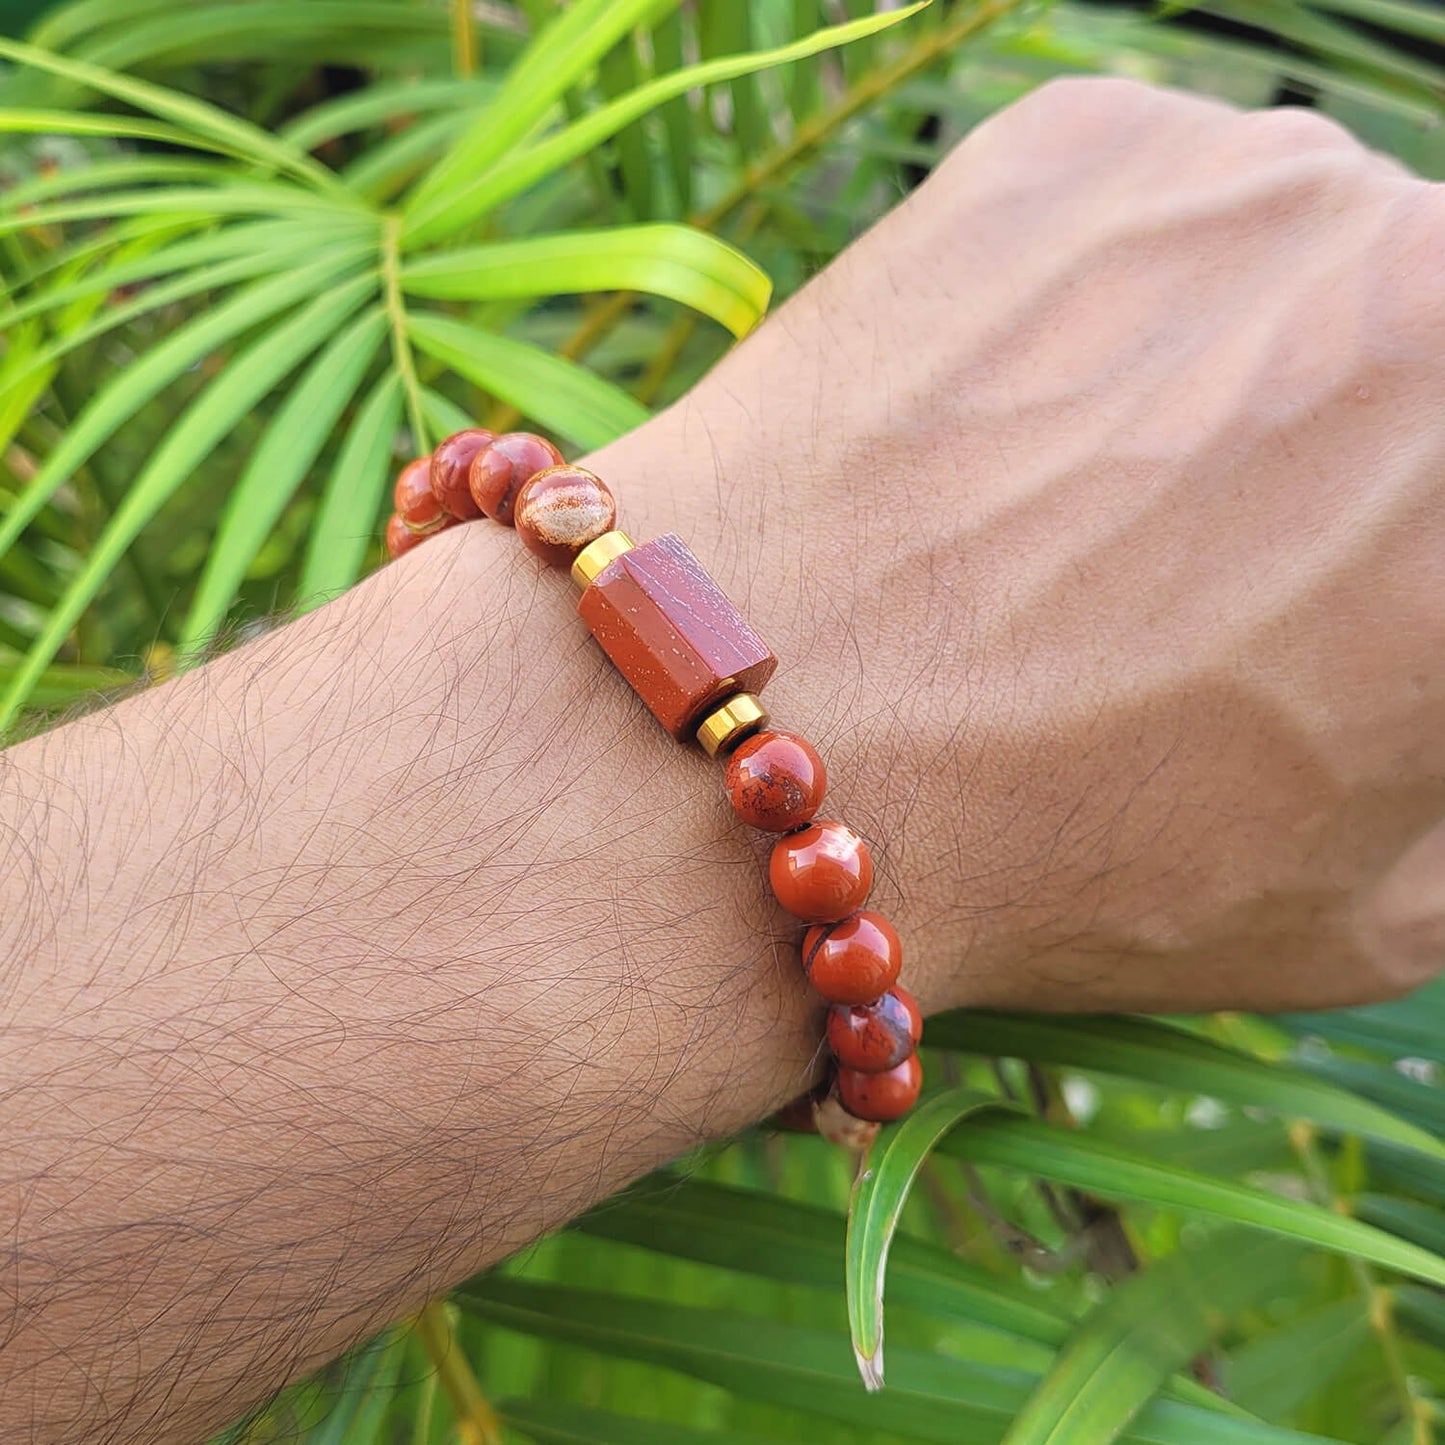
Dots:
pixel 1095 505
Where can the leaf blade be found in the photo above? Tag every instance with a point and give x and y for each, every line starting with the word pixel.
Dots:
pixel 574 403
pixel 678 262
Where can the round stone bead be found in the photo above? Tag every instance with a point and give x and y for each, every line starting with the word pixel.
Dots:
pixel 838 1126
pixel 559 511
pixel 775 781
pixel 821 873
pixel 881 1097
pixel 416 504
pixel 504 466
pixel 451 465
pixel 399 537
pixel 853 962
pixel 875 1037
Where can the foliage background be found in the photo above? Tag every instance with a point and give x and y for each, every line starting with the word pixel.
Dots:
pixel 255 254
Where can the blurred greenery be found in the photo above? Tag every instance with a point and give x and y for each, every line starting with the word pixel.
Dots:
pixel 256 254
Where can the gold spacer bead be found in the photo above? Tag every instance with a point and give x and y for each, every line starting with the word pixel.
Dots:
pixel 597 554
pixel 730 722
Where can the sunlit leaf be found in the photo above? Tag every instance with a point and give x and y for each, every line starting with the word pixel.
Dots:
pixel 1091 1163
pixel 883 1187
pixel 248 377
pixel 678 262
pixel 1172 1058
pixel 567 400
pixel 289 445
pixel 476 192
pixel 346 520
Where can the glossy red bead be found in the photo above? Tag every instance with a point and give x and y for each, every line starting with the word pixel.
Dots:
pixel 875 1037
pixel 451 466
pixel 504 466
pixel 399 537
pixel 855 961
pixel 822 872
pixel 880 1098
pixel 415 502
pixel 775 781
pixel 559 511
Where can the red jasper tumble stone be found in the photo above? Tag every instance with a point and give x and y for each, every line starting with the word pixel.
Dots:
pixel 451 465
pixel 775 781
pixel 855 961
pixel 415 502
pixel 504 466
pixel 559 511
pixel 672 633
pixel 875 1037
pixel 821 873
pixel 881 1097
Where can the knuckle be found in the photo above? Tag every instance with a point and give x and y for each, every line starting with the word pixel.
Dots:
pixel 1294 129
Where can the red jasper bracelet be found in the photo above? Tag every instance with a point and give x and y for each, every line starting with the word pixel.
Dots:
pixel 695 662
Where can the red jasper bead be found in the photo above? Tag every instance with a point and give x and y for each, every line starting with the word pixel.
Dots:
pixel 504 466
pixel 853 962
pixel 559 511
pixel 451 465
pixel 399 537
pixel 875 1037
pixel 881 1097
pixel 821 873
pixel 775 781
pixel 415 502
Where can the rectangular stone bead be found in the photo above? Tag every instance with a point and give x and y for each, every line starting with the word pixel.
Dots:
pixel 673 634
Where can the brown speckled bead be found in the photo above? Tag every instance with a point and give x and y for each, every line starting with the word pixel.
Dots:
pixel 838 1126
pixel 560 511
pixel 415 502
pixel 821 873
pixel 451 465
pixel 775 781
pixel 504 466
pixel 875 1037
pixel 881 1097
pixel 854 961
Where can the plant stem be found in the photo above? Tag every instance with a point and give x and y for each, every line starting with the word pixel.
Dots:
pixel 400 345
pixel 477 1424
pixel 1415 1411
pixel 464 39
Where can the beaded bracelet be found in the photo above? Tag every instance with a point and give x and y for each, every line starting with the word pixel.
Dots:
pixel 698 665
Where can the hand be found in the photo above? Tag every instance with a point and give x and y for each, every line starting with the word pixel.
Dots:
pixel 1095 505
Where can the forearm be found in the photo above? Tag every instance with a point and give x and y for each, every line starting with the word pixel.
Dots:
pixel 342 967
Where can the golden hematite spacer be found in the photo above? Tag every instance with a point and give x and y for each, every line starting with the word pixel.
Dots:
pixel 596 555
pixel 730 722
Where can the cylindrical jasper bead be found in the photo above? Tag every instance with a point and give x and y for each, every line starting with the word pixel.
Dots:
pixel 451 465
pixel 821 873
pixel 504 466
pixel 881 1097
pixel 672 633
pixel 416 504
pixel 855 961
pixel 875 1037
pixel 775 781
pixel 559 511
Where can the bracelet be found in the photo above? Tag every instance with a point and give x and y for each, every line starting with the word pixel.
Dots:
pixel 697 664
